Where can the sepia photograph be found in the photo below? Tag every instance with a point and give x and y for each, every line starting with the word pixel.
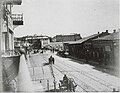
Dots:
pixel 59 46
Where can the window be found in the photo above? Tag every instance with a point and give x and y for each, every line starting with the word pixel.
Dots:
pixel 107 48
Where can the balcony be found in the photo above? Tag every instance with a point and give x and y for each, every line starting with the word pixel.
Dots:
pixel 17 19
pixel 14 2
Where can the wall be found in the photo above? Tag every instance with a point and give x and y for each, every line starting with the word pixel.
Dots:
pixel 105 52
pixel 10 72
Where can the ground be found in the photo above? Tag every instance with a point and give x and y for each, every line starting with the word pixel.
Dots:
pixel 87 77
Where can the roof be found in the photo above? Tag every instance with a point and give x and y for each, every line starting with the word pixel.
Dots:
pixel 112 36
pixel 83 39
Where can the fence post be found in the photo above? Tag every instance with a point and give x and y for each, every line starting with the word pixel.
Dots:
pixel 48 85
pixel 54 85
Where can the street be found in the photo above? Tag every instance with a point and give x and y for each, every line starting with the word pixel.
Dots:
pixel 87 77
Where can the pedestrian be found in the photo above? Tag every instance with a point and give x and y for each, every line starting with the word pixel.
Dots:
pixel 53 60
pixel 65 80
pixel 50 60
pixel 23 51
pixel 114 90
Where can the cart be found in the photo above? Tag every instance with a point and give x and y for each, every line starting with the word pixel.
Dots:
pixel 69 86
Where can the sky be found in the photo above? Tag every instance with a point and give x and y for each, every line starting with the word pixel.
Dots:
pixel 55 17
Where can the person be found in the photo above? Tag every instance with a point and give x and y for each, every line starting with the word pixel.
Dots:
pixel 22 51
pixel 50 60
pixel 72 85
pixel 65 80
pixel 53 60
pixel 29 50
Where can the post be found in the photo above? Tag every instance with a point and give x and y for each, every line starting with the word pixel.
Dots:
pixel 54 85
pixel 48 85
pixel 1 15
pixel 8 48
pixel 33 71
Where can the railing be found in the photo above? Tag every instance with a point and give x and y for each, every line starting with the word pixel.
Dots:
pixel 17 17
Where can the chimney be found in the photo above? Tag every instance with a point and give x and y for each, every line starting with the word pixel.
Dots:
pixel 114 30
pixel 98 32
pixel 106 31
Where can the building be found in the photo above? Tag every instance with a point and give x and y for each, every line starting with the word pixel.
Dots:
pixel 10 21
pixel 54 46
pixel 106 50
pixel 37 41
pixel 83 48
pixel 10 59
pixel 17 41
pixel 64 38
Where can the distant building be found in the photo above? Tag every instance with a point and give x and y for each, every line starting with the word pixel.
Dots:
pixel 18 41
pixel 37 41
pixel 64 38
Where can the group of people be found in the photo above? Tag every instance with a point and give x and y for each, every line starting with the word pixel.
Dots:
pixel 69 83
pixel 51 60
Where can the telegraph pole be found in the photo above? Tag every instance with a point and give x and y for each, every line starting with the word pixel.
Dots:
pixel 1 16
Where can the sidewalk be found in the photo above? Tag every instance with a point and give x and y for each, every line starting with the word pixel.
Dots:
pixel 24 83
pixel 41 74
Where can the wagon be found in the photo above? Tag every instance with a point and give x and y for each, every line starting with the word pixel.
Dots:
pixel 70 86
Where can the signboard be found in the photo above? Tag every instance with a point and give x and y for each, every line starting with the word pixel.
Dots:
pixel 14 2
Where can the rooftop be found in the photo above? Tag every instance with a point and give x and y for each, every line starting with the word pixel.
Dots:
pixel 84 39
pixel 112 36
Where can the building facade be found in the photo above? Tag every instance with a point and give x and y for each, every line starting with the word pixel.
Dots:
pixel 83 48
pixel 36 41
pixel 106 50
pixel 64 38
pixel 101 49
pixel 10 61
pixel 9 22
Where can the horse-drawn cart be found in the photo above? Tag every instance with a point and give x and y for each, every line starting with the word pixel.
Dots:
pixel 69 85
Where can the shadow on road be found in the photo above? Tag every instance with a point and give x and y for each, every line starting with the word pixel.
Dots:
pixel 44 64
pixel 97 66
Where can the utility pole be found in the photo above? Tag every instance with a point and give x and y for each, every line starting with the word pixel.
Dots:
pixel 1 16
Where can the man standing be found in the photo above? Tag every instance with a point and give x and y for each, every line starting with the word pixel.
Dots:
pixel 53 60
pixel 50 60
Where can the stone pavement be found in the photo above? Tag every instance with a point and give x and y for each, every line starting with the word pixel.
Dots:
pixel 40 72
